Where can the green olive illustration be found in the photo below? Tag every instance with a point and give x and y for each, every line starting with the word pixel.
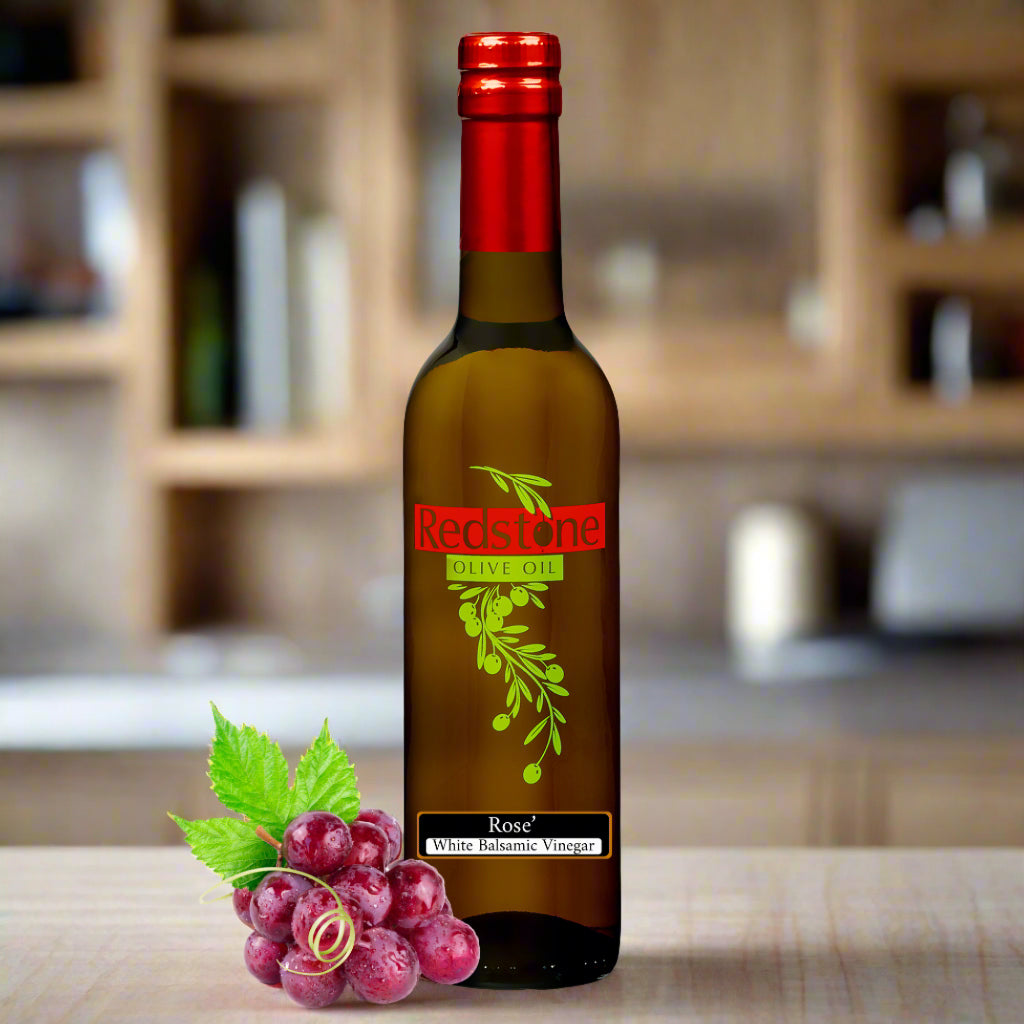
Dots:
pixel 467 611
pixel 503 606
pixel 492 663
pixel 500 723
pixel 494 622
pixel 531 773
pixel 473 627
pixel 519 596
pixel 555 674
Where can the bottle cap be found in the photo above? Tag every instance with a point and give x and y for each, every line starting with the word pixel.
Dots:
pixel 510 74
pixel 483 50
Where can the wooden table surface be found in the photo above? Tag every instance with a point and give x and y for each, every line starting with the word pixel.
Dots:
pixel 117 935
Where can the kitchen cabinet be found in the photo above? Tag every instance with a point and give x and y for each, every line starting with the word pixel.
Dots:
pixel 940 791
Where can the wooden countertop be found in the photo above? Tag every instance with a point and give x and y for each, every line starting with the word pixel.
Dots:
pixel 117 935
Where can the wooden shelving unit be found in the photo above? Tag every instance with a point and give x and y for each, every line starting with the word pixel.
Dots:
pixel 994 260
pixel 228 459
pixel 75 114
pixel 267 65
pixel 60 350
pixel 925 56
pixel 682 384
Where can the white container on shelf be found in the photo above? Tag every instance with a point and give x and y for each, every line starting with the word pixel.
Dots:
pixel 779 576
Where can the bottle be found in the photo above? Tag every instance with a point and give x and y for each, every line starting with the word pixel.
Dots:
pixel 511 563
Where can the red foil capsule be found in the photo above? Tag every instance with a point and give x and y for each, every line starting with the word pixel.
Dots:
pixel 510 97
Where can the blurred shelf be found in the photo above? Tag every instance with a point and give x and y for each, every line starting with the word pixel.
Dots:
pixel 992 260
pixel 55 114
pixel 945 58
pixel 803 418
pixel 258 66
pixel 59 349
pixel 225 458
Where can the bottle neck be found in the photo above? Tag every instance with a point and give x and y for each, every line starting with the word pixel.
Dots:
pixel 511 265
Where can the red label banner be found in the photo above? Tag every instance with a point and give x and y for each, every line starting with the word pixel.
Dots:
pixel 454 529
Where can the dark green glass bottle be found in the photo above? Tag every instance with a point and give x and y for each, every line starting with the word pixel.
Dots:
pixel 511 563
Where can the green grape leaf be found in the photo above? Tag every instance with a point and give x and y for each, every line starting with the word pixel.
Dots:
pixel 535 731
pixel 558 714
pixel 556 740
pixel 325 780
pixel 523 495
pixel 472 592
pixel 500 482
pixel 228 846
pixel 536 600
pixel 531 648
pixel 249 774
pixel 511 696
pixel 560 690
pixel 529 478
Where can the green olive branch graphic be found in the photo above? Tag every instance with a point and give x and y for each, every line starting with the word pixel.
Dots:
pixel 524 485
pixel 483 611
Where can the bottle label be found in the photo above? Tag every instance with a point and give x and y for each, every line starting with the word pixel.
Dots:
pixel 547 834
pixel 499 562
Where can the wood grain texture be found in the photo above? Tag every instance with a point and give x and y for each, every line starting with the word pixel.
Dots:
pixel 715 935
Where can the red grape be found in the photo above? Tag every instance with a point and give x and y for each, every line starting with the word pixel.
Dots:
pixel 311 906
pixel 313 988
pixel 370 845
pixel 273 904
pixel 368 886
pixel 391 828
pixel 417 893
pixel 316 842
pixel 446 909
pixel 448 949
pixel 240 900
pixel 383 967
pixel 262 957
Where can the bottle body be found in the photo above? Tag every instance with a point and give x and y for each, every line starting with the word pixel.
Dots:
pixel 528 403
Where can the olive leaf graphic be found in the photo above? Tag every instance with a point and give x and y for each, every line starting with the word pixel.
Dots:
pixel 524 485
pixel 530 670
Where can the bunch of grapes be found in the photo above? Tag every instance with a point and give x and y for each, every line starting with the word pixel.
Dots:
pixel 399 921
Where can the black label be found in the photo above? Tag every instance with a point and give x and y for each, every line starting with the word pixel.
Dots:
pixel 544 834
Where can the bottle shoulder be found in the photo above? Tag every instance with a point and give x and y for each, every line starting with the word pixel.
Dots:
pixel 548 348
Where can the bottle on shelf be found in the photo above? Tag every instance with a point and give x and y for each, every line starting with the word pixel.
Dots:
pixel 511 562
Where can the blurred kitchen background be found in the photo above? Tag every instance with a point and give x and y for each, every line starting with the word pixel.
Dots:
pixel 794 238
